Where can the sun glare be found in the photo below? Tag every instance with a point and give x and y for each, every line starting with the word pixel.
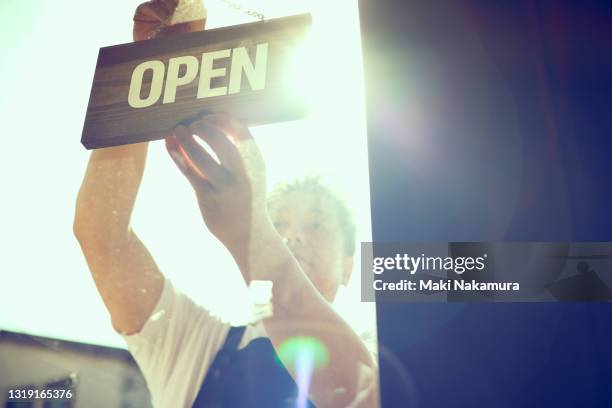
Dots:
pixel 331 142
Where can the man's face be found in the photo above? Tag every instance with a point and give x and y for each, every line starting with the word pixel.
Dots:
pixel 310 225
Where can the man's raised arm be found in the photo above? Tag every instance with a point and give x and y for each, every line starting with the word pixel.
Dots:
pixel 231 193
pixel 124 272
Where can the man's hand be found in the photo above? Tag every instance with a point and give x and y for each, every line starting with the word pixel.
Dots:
pixel 154 19
pixel 231 192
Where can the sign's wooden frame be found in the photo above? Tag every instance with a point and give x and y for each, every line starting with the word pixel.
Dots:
pixel 111 120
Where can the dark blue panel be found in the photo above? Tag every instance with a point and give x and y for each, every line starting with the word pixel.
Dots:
pixel 491 121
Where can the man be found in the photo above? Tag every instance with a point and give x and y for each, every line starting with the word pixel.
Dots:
pixel 189 357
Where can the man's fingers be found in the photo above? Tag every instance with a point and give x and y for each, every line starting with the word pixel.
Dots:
pixel 152 11
pixel 181 159
pixel 170 5
pixel 218 139
pixel 230 126
pixel 214 172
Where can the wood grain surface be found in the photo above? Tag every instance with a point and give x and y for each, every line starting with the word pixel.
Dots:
pixel 111 121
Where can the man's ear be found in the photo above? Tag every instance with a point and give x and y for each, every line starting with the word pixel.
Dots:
pixel 347 266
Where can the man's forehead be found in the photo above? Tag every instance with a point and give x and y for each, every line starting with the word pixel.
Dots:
pixel 304 202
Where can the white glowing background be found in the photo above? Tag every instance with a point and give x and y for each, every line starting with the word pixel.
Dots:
pixel 48 58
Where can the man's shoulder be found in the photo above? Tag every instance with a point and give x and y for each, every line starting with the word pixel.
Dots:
pixel 177 314
pixel 180 336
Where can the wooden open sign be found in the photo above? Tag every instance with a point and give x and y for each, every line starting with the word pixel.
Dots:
pixel 142 90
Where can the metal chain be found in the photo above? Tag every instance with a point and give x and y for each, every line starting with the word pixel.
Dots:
pixel 240 8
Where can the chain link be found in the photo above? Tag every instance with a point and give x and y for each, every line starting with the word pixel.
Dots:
pixel 240 8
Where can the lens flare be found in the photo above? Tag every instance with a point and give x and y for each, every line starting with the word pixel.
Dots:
pixel 304 355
